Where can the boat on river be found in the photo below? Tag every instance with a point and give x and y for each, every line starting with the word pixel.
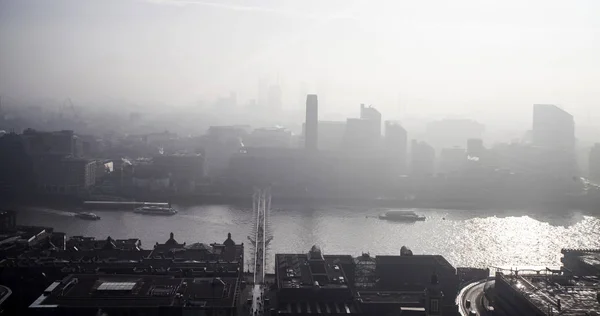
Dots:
pixel 88 216
pixel 401 216
pixel 156 210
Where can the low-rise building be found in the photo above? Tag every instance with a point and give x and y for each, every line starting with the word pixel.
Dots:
pixel 546 294
pixel 81 294
pixel 312 284
pixel 581 261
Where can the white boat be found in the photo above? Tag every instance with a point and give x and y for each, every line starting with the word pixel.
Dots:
pixel 86 215
pixel 156 210
pixel 402 216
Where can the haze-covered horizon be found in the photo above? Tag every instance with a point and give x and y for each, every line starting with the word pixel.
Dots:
pixel 487 61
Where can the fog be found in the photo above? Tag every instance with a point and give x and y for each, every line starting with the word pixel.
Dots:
pixel 427 58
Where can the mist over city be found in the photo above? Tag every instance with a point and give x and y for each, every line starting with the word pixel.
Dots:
pixel 192 157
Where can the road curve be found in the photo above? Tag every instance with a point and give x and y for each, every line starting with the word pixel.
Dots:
pixel 472 292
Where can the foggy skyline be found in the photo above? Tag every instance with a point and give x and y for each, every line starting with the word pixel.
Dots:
pixel 463 58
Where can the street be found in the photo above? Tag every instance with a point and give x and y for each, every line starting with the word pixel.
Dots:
pixel 474 293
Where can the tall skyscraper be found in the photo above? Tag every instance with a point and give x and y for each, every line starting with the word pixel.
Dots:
pixel 553 135
pixel 372 115
pixel 553 127
pixel 312 123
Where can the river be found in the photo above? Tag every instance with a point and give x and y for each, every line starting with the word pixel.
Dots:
pixel 465 238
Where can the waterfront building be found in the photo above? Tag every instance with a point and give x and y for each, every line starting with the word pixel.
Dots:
pixel 130 294
pixel 553 127
pixel 416 273
pixel 313 283
pixel 186 170
pixel 33 268
pixel 64 175
pixel 538 294
pixel 311 135
pixel 581 262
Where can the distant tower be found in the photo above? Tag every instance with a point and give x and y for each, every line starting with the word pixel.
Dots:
pixel 312 122
pixel 433 297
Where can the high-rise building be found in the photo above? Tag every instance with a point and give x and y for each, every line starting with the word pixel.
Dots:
pixel 311 137
pixel 553 127
pixel 364 133
pixel 595 162
pixel 422 158
pixel 396 143
pixel 372 115
pixel 553 136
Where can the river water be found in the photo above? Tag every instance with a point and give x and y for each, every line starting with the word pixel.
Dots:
pixel 465 238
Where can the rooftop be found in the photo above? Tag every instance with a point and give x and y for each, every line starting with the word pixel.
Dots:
pixel 435 260
pixel 82 290
pixel 405 298
pixel 304 271
pixel 565 295
pixel 317 308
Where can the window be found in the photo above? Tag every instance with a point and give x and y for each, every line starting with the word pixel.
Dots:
pixel 435 306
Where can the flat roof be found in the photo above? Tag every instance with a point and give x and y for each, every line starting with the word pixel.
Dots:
pixel 577 295
pixel 138 291
pixel 400 297
pixel 297 271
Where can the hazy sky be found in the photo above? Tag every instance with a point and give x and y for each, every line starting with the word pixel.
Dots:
pixel 466 57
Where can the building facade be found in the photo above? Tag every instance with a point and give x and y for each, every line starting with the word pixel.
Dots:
pixel 311 136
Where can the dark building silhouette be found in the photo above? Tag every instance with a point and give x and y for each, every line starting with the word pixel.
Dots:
pixel 130 294
pixel 63 143
pixel 312 123
pixel 553 127
pixel 396 146
pixel 8 220
pixel 16 166
pixel 36 258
